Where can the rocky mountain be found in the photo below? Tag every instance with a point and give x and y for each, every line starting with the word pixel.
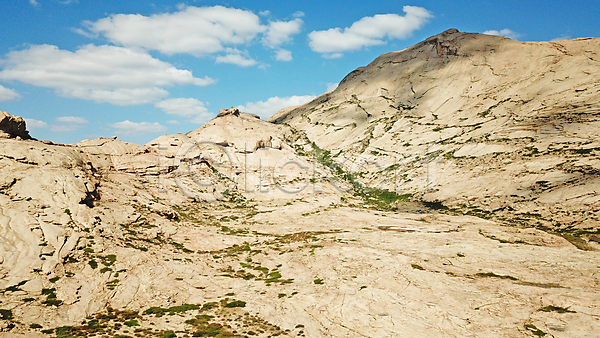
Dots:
pixel 482 124
pixel 444 190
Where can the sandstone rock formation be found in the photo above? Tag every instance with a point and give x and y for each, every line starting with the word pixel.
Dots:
pixel 231 111
pixel 484 124
pixel 13 126
pixel 249 228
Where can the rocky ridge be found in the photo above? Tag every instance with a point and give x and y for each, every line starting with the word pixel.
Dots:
pixel 249 228
pixel 444 118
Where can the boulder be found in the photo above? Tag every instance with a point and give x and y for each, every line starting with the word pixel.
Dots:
pixel 13 126
pixel 231 111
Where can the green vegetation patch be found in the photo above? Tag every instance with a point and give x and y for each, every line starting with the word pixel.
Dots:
pixel 493 275
pixel 6 314
pixel 15 288
pixel 101 324
pixel 551 308
pixel 159 311
pixel 417 267
pixel 236 303
pixel 535 330
pixel 51 299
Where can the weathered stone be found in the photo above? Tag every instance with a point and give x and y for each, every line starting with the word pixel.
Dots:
pixel 232 111
pixel 13 126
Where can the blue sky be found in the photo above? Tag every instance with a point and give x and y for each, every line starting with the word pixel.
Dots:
pixel 79 69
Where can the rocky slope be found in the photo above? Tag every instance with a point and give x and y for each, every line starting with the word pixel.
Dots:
pixel 482 123
pixel 248 228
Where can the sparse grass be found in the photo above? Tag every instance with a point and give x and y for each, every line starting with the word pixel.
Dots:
pixel 552 308
pixel 493 275
pixel 535 330
pixel 417 267
pixel 93 264
pixel 51 299
pixel 15 288
pixel 6 314
pixel 159 311
pixel 131 322
pixel 111 285
pixel 236 303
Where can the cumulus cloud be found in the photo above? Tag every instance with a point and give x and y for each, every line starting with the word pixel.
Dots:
pixel 35 124
pixel 368 31
pixel 280 32
pixel 7 94
pixel 283 55
pixel 72 119
pixel 111 74
pixel 266 109
pixel 34 3
pixel 504 32
pixel 129 128
pixel 186 107
pixel 236 58
pixel 193 30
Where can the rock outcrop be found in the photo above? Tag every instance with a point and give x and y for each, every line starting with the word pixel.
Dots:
pixel 481 123
pixel 249 228
pixel 232 111
pixel 13 126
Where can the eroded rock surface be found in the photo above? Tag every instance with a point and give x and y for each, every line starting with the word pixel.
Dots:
pixel 249 228
pixel 12 126
pixel 483 124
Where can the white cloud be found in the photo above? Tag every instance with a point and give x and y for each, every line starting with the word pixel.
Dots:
pixel 331 86
pixel 193 30
pixel 72 119
pixel 7 94
pixel 111 74
pixel 280 32
pixel 236 59
pixel 175 122
pixel 137 128
pixel 368 31
pixel 504 32
pixel 332 55
pixel 274 104
pixel 35 124
pixel 34 3
pixel 283 55
pixel 186 107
